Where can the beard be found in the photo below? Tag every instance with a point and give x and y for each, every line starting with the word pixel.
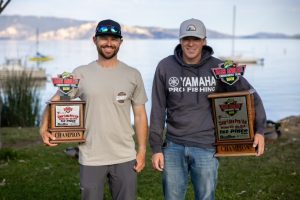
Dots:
pixel 107 56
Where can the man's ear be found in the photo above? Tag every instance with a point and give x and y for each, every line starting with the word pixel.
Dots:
pixel 204 42
pixel 94 39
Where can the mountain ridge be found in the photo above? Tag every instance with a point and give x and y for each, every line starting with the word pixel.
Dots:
pixel 17 27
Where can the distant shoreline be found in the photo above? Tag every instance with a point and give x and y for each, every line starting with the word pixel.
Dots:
pixel 130 38
pixel 25 27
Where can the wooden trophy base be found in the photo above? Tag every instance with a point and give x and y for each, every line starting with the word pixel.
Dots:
pixel 234 115
pixel 234 149
pixel 66 121
pixel 67 136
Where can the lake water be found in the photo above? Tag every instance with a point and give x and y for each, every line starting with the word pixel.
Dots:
pixel 277 81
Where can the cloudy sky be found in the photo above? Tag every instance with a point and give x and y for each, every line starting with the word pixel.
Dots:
pixel 276 16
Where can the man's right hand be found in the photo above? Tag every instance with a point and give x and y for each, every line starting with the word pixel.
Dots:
pixel 46 136
pixel 158 161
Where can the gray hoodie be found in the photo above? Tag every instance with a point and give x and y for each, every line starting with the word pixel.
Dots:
pixel 179 99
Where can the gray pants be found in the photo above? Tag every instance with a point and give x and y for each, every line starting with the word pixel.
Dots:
pixel 122 180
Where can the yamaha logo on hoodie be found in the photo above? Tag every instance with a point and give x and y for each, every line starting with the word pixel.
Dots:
pixel 192 84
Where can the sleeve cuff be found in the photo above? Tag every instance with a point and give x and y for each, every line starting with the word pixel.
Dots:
pixel 156 149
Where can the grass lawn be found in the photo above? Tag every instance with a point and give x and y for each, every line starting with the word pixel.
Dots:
pixel 30 170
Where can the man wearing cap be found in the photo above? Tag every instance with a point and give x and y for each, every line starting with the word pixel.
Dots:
pixel 181 85
pixel 110 88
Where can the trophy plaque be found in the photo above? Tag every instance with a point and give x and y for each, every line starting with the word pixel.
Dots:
pixel 234 121
pixel 66 116
pixel 233 114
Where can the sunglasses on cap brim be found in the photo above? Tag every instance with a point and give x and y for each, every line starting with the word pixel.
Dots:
pixel 108 29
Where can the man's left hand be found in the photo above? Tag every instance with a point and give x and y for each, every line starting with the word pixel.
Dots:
pixel 140 161
pixel 259 142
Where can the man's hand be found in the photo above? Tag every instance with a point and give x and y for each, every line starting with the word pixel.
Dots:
pixel 140 161
pixel 46 136
pixel 259 142
pixel 158 161
pixel 141 130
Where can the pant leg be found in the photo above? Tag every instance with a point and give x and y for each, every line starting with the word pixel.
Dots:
pixel 92 180
pixel 122 180
pixel 204 172
pixel 175 173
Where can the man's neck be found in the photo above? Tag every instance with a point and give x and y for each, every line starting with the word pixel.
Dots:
pixel 108 63
pixel 192 61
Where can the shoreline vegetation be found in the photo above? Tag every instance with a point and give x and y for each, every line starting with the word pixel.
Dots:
pixel 30 170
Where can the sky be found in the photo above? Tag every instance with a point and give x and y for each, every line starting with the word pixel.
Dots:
pixel 252 16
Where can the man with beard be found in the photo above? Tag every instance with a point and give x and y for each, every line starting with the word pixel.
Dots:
pixel 110 88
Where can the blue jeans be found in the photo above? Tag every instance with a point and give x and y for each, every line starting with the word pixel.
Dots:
pixel 180 162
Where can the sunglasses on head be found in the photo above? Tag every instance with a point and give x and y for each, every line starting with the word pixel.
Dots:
pixel 108 29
